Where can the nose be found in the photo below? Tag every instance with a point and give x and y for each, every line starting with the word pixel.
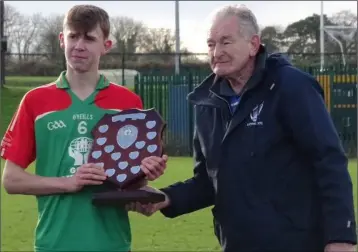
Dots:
pixel 217 51
pixel 80 44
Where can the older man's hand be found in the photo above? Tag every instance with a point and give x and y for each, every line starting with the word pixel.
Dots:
pixel 154 167
pixel 148 209
pixel 340 247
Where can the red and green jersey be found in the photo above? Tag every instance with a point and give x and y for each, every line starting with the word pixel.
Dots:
pixel 53 126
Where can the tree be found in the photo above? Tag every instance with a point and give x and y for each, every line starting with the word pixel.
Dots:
pixel 347 37
pixel 126 34
pixel 25 33
pixel 48 39
pixel 303 36
pixel 158 40
pixel 11 20
pixel 303 40
pixel 272 38
pixel 160 43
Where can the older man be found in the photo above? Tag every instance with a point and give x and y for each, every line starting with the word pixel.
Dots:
pixel 267 155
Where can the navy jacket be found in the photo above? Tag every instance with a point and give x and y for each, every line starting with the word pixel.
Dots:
pixel 274 171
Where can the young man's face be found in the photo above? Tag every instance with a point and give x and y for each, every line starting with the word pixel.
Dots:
pixel 83 51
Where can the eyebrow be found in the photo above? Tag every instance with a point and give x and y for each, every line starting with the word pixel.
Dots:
pixel 86 34
pixel 90 36
pixel 225 37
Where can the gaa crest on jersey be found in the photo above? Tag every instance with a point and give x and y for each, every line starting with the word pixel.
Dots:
pixel 55 125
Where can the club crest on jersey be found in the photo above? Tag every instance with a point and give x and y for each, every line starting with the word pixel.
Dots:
pixel 79 150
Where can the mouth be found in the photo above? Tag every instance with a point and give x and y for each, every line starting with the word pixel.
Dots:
pixel 220 63
pixel 78 57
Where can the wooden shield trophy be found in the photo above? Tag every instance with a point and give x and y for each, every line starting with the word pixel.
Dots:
pixel 121 141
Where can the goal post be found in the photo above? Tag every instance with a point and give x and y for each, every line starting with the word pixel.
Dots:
pixel 346 33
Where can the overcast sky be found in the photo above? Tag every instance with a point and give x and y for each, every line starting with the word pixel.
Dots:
pixel 192 13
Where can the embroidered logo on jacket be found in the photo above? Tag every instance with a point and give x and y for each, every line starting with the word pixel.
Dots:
pixel 254 116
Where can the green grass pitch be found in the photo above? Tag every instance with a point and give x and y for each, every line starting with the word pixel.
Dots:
pixel 193 232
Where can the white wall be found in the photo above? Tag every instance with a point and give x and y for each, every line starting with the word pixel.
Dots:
pixel 115 75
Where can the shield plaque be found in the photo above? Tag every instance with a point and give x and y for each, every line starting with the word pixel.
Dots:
pixel 121 141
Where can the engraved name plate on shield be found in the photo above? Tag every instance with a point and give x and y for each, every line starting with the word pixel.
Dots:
pixel 122 140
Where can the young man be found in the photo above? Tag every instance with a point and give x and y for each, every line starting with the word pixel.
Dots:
pixel 53 126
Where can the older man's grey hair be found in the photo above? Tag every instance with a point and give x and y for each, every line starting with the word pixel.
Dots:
pixel 246 18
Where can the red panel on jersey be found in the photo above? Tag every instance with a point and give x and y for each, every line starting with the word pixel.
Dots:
pixel 18 144
pixel 117 97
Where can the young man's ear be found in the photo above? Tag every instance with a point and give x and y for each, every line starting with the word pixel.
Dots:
pixel 62 40
pixel 107 46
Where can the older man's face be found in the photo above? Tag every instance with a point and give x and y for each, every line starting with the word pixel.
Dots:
pixel 229 51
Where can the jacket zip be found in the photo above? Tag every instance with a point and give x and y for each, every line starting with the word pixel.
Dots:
pixel 228 122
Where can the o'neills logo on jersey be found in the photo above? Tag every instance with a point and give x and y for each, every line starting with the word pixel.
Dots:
pixel 82 117
pixel 54 125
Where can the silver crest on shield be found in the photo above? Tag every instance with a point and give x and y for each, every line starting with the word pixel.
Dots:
pixel 126 136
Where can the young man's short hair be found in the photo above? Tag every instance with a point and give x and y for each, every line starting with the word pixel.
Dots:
pixel 85 18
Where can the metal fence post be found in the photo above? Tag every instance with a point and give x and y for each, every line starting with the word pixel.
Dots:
pixel 191 119
pixel 3 44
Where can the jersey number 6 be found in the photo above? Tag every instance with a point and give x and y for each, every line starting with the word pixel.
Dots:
pixel 82 127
